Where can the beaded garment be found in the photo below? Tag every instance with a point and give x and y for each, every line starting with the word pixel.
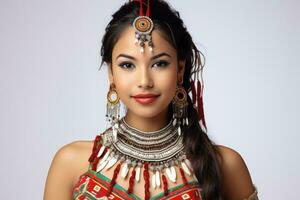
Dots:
pixel 139 153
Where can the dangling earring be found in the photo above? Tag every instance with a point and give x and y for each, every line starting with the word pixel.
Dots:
pixel 113 109
pixel 180 105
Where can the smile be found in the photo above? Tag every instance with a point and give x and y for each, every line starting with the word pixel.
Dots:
pixel 145 99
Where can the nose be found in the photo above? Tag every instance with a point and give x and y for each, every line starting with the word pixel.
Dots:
pixel 145 78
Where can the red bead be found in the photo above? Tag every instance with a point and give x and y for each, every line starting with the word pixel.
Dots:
pixel 165 184
pixel 200 103
pixel 131 181
pixel 147 181
pixel 193 91
pixel 96 148
pixel 113 180
pixel 95 163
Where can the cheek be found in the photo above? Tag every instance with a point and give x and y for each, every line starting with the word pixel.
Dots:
pixel 124 82
pixel 167 81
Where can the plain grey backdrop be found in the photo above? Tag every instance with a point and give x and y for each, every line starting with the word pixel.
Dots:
pixel 53 94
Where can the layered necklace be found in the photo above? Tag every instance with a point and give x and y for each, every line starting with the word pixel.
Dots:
pixel 157 151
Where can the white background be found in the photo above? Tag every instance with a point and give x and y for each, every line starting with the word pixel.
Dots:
pixel 52 94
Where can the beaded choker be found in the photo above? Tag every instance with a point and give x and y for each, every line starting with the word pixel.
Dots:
pixel 157 151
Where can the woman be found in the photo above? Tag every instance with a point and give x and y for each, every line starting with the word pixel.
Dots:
pixel 159 149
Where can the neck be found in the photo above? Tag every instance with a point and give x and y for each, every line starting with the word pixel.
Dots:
pixel 147 124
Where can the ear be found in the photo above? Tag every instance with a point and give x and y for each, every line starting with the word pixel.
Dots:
pixel 181 68
pixel 110 74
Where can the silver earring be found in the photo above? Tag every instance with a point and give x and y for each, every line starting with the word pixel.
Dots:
pixel 180 105
pixel 113 110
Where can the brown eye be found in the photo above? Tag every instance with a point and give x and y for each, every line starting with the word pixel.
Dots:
pixel 161 64
pixel 126 65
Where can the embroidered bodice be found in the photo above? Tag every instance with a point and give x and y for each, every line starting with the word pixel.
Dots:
pixel 94 185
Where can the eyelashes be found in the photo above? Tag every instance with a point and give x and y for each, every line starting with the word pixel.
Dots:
pixel 129 65
pixel 126 65
pixel 162 63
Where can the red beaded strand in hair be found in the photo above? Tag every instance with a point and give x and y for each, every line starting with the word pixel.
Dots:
pixel 193 91
pixel 148 9
pixel 141 8
pixel 113 180
pixel 183 176
pixel 165 184
pixel 131 181
pixel 147 181
pixel 200 103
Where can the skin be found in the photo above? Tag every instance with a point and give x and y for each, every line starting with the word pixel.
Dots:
pixel 141 74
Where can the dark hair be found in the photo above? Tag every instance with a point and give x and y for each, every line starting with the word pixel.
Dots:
pixel 199 148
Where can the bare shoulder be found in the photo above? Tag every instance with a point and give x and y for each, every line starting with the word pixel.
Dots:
pixel 75 155
pixel 72 149
pixel 236 176
pixel 69 162
pixel 229 156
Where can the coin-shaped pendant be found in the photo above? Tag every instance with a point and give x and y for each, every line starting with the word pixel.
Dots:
pixel 143 25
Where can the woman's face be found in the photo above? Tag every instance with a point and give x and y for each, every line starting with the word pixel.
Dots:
pixel 136 73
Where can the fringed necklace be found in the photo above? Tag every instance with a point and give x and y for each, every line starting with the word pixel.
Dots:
pixel 157 151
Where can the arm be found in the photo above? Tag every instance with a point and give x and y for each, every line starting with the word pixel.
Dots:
pixel 236 177
pixel 59 180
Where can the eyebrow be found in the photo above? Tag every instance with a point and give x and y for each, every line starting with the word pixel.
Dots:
pixel 152 58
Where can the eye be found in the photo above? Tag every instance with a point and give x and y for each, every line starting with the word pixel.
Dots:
pixel 161 64
pixel 126 65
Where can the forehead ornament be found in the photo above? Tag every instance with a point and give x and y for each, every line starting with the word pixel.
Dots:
pixel 143 26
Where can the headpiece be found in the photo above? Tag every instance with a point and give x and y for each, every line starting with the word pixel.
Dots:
pixel 143 26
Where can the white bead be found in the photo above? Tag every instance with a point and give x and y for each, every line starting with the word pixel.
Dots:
pixel 101 151
pixel 185 168
pixel 169 174
pixel 157 178
pixel 174 122
pixel 189 164
pixel 101 165
pixel 173 173
pixel 179 130
pixel 137 174
pixel 124 170
pixel 112 161
pixel 187 121
pixel 105 156
pixel 116 126
pixel 195 177
pixel 115 132
pixel 153 181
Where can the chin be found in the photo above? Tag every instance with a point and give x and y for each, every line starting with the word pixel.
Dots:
pixel 148 112
pixel 151 113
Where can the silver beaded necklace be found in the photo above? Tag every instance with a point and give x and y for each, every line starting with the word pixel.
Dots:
pixel 162 150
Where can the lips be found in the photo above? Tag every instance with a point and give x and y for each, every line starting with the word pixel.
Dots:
pixel 148 95
pixel 145 98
